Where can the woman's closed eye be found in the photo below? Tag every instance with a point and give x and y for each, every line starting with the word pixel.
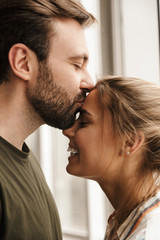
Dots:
pixel 84 119
pixel 82 124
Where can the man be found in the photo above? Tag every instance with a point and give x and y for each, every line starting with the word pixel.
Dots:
pixel 43 79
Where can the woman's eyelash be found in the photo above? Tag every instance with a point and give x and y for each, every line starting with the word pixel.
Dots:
pixel 82 124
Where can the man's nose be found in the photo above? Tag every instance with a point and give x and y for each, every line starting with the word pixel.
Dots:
pixel 86 83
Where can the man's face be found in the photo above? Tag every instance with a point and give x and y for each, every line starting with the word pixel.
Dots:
pixel 63 79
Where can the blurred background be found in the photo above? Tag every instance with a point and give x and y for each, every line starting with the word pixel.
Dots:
pixel 126 41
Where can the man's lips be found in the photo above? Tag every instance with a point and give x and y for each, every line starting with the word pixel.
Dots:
pixel 81 97
pixel 80 102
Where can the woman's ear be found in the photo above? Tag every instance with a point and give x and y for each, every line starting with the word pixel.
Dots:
pixel 20 59
pixel 133 143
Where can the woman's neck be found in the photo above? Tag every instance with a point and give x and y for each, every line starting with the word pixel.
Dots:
pixel 129 192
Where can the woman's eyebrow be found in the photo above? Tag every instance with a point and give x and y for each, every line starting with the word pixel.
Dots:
pixel 85 112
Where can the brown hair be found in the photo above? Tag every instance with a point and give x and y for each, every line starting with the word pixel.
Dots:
pixel 135 106
pixel 28 22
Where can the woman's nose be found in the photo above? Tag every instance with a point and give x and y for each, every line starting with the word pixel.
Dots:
pixel 70 132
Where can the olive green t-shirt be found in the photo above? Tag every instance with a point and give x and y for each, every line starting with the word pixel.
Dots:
pixel 27 207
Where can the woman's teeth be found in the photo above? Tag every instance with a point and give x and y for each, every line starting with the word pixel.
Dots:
pixel 73 151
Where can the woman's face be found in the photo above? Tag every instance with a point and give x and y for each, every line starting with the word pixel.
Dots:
pixel 92 146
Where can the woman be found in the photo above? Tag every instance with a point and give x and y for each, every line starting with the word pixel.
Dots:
pixel 116 142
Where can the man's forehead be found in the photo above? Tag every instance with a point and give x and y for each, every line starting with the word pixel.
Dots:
pixel 70 38
pixel 67 25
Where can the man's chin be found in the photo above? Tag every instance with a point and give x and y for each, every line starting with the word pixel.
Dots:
pixel 62 125
pixel 65 120
pixel 67 125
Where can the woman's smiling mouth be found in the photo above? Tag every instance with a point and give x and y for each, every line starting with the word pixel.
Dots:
pixel 73 151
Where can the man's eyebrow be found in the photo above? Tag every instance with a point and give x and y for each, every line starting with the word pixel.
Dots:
pixel 84 57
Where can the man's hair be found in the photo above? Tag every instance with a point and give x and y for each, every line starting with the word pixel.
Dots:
pixel 29 22
pixel 135 107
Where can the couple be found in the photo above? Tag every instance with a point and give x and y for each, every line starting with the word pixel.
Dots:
pixel 44 79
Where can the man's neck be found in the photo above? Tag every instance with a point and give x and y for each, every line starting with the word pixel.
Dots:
pixel 17 117
pixel 15 131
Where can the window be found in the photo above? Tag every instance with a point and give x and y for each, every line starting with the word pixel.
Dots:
pixel 136 38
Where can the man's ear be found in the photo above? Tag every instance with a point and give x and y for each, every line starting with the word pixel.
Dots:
pixel 20 59
pixel 133 143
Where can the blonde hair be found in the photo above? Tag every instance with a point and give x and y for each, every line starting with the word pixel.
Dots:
pixel 135 106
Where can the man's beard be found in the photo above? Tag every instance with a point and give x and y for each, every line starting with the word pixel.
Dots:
pixel 52 102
